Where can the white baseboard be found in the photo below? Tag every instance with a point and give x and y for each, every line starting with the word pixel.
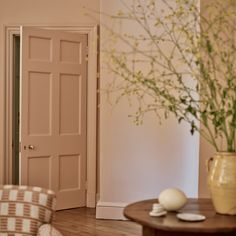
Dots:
pixel 110 210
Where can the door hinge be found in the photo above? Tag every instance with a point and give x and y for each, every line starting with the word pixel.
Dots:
pixel 86 185
pixel 87 50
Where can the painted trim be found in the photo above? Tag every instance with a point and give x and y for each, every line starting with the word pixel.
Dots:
pixel 9 33
pixel 110 210
pixel 92 32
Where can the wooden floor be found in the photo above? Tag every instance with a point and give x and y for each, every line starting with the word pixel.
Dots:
pixel 81 221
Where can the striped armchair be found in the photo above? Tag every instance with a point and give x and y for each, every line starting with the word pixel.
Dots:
pixel 26 210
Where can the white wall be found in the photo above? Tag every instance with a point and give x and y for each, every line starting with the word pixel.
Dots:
pixel 29 12
pixel 138 162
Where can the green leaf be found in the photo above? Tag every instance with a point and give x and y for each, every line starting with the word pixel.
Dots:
pixel 180 119
pixel 209 46
pixel 192 130
pixel 204 117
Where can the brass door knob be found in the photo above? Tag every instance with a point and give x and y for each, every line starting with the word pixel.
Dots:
pixel 31 147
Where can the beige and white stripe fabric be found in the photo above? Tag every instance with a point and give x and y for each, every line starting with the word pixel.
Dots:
pixel 23 209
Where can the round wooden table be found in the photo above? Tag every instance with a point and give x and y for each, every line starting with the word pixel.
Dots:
pixel 215 224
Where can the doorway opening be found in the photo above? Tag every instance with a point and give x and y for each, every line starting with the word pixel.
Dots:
pixel 11 161
pixel 15 109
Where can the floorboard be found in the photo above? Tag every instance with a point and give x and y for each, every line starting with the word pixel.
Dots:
pixel 82 222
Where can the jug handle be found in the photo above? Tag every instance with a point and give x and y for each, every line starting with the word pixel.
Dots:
pixel 208 163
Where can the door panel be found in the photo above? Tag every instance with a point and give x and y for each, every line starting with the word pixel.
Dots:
pixel 70 107
pixel 39 103
pixel 35 167
pixel 53 113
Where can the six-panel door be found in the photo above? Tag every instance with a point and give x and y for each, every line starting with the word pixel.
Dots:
pixel 53 113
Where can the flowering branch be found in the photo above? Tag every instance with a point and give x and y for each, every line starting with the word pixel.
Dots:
pixel 188 64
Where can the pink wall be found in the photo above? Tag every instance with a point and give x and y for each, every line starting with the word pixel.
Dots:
pixel 206 150
pixel 137 162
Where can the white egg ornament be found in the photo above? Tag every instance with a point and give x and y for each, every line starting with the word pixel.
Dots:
pixel 172 199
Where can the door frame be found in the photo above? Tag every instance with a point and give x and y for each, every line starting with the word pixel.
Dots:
pixel 92 31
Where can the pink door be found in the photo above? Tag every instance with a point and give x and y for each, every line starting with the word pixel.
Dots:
pixel 53 113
